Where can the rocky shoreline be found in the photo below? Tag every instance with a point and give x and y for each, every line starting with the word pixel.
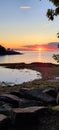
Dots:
pixel 32 105
pixel 34 109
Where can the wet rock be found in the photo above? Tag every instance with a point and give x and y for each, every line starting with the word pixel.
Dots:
pixel 4 122
pixel 38 95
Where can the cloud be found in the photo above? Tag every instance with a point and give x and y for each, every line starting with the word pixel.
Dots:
pixel 24 7
pixel 49 46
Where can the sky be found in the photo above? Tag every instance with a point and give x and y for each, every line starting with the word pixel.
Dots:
pixel 23 24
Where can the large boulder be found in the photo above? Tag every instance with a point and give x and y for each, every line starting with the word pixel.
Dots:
pixel 26 117
pixel 14 101
pixel 38 95
pixel 25 101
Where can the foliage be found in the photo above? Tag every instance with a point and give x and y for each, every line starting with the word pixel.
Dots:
pixel 58 34
pixel 51 13
pixel 56 57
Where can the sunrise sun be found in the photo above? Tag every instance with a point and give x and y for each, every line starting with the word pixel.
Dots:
pixel 40 49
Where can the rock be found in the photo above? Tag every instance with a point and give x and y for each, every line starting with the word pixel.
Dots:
pixel 49 120
pixel 14 101
pixel 27 102
pixel 50 91
pixel 26 116
pixel 36 94
pixel 11 99
pixel 4 122
pixel 5 109
pixel 24 93
pixel 56 108
pixel 16 94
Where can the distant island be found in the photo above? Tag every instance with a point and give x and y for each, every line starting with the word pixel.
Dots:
pixel 4 51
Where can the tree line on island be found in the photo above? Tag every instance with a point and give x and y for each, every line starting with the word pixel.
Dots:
pixel 4 51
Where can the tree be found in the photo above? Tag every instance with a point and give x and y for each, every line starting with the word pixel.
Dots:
pixel 58 34
pixel 51 13
pixel 56 57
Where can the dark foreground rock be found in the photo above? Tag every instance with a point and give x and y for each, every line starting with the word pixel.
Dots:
pixel 38 95
pixel 4 122
pixel 34 109
pixel 15 101
pixel 11 99
pixel 26 116
pixel 49 120
pixel 36 119
pixel 26 102
pixel 52 91
pixel 5 109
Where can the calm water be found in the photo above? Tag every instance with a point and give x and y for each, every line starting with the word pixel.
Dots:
pixel 30 56
pixel 19 76
pixel 14 76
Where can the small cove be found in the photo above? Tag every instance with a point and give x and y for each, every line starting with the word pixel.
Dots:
pixel 17 76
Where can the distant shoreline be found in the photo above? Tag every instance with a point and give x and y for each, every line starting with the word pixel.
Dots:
pixel 4 51
pixel 48 70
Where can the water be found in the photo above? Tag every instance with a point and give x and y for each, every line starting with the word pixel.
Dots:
pixel 30 56
pixel 14 76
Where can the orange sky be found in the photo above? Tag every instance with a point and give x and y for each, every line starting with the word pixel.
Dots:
pixel 24 25
pixel 47 47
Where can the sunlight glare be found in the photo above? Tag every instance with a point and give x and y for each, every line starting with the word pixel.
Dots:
pixel 40 49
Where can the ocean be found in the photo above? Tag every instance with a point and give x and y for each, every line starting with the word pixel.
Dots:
pixel 14 76
pixel 30 56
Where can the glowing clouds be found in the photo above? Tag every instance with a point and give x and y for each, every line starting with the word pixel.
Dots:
pixel 24 7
